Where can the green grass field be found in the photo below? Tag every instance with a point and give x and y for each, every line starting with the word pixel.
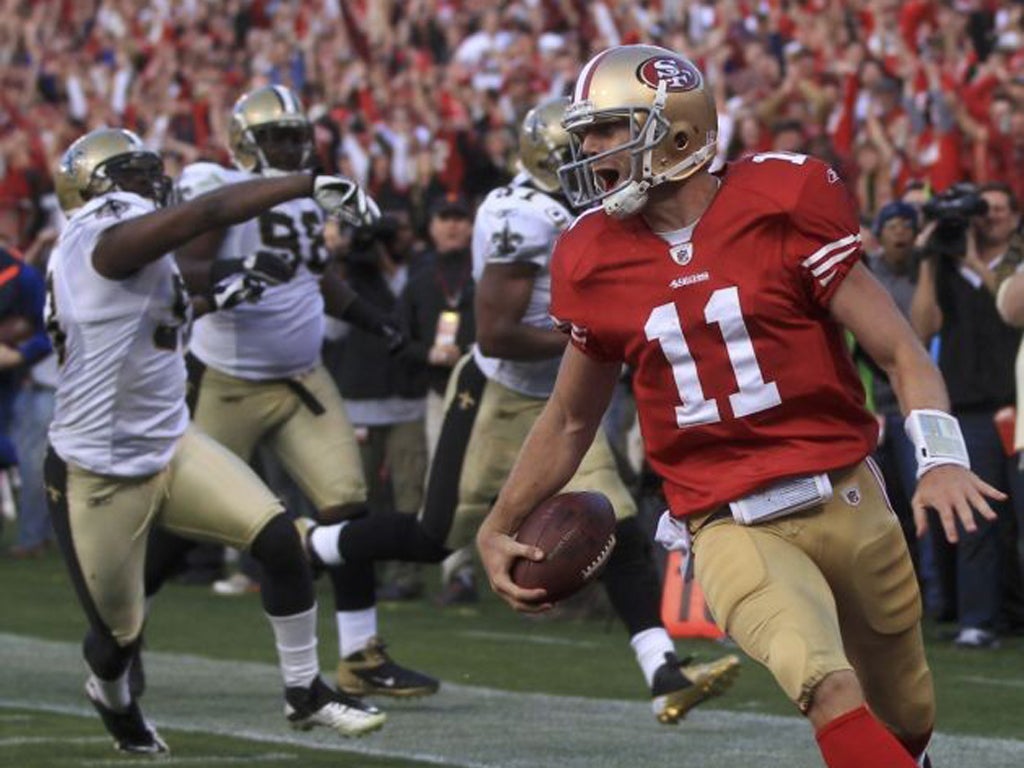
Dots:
pixel 517 692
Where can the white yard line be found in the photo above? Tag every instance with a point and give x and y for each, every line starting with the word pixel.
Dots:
pixel 462 727
pixel 981 680
pixel 27 741
pixel 265 757
pixel 512 637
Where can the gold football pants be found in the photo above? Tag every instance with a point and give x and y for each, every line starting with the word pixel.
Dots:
pixel 828 589
pixel 205 493
pixel 318 450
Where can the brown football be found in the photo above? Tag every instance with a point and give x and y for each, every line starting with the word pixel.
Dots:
pixel 576 531
pixel 14 330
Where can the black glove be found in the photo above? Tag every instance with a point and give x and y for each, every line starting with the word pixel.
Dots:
pixel 237 288
pixel 269 267
pixel 362 314
pixel 393 336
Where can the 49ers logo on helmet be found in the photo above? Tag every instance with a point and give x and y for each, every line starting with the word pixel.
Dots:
pixel 677 74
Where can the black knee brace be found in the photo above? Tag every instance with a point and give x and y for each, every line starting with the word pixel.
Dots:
pixel 631 578
pixel 287 586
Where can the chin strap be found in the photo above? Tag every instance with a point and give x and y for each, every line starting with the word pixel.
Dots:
pixel 628 200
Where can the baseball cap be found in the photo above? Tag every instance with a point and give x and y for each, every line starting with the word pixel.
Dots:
pixel 897 209
pixel 451 204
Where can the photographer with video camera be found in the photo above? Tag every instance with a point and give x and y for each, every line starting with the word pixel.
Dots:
pixel 962 248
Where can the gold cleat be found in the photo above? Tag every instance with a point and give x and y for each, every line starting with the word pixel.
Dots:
pixel 679 686
pixel 372 671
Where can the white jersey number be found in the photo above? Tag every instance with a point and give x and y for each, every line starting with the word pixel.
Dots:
pixel 280 232
pixel 754 394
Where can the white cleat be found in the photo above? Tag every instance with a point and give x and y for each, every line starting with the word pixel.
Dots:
pixel 320 705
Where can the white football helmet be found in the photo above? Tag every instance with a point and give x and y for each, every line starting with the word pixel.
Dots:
pixel 672 120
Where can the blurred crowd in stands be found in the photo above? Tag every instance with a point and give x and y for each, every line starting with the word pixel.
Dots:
pixel 422 97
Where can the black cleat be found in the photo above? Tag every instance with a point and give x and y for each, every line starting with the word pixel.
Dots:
pixel 131 732
pixel 371 671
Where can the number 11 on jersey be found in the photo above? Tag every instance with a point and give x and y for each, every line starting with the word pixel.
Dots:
pixel 754 393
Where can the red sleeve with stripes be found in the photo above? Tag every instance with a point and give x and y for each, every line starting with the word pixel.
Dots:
pixel 823 242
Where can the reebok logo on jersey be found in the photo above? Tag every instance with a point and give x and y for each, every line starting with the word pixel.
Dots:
pixel 685 280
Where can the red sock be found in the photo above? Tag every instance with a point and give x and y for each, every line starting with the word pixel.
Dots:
pixel 858 740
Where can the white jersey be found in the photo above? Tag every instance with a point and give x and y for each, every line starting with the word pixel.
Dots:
pixel 120 404
pixel 518 223
pixel 280 335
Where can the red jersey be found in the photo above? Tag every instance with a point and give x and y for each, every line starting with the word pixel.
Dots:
pixel 741 376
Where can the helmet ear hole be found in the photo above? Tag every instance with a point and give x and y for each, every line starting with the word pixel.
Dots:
pixel 681 140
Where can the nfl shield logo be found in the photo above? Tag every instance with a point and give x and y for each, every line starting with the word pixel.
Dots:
pixel 852 495
pixel 681 254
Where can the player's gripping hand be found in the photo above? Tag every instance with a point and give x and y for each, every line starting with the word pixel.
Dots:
pixel 269 267
pixel 498 551
pixel 343 198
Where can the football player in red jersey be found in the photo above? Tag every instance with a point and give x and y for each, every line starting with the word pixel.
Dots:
pixel 727 294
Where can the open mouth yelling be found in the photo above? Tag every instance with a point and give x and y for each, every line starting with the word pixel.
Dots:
pixel 607 177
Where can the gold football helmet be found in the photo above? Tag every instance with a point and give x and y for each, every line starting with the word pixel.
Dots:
pixel 544 143
pixel 270 132
pixel 672 119
pixel 108 159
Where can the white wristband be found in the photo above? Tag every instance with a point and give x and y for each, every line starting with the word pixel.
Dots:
pixel 937 440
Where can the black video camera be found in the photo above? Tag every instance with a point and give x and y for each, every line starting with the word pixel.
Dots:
pixel 953 210
pixel 382 231
pixel 367 239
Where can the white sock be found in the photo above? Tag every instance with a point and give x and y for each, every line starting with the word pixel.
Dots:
pixel 650 647
pixel 113 693
pixel 324 540
pixel 295 637
pixel 355 629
